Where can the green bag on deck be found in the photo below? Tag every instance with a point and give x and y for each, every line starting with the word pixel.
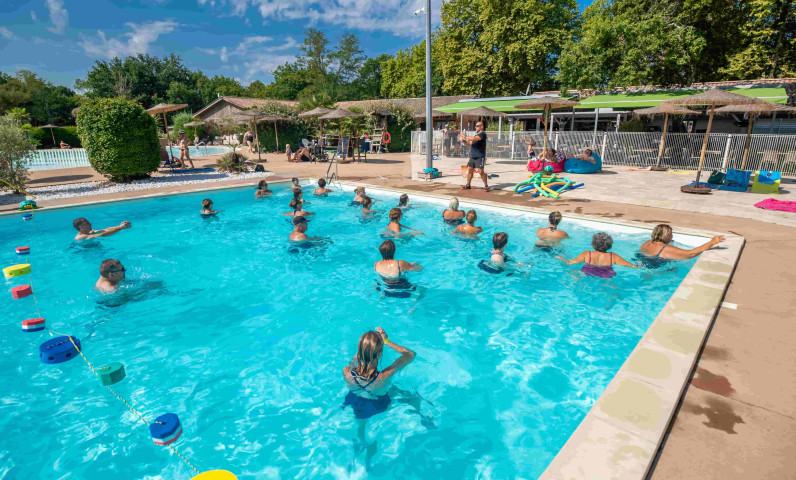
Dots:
pixel 716 178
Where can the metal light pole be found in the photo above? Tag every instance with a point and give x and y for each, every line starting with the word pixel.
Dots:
pixel 429 120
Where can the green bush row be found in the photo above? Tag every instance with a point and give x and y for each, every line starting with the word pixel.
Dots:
pixel 43 138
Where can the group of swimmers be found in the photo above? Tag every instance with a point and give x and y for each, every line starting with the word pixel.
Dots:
pixel 368 386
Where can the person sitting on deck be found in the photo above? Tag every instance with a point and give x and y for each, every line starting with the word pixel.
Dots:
pixel 599 263
pixel 469 228
pixel 395 227
pixel 322 190
pixel 298 209
pixel 65 146
pixel 84 231
pixel 657 248
pixel 587 156
pixel 262 189
pixel 551 236
pixel 112 273
pixel 302 155
pixel 453 214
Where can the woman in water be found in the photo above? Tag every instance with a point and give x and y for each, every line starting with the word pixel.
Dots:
pixel 321 190
pixel 453 214
pixel 469 228
pixel 403 201
pixel 600 262
pixel 207 208
pixel 658 247
pixel 551 236
pixel 298 209
pixel 388 267
pixel 262 189
pixel 367 202
pixel 367 385
pixel 395 227
pixel 360 193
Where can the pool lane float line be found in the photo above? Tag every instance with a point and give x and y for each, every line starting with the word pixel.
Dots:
pixel 215 475
pixel 16 270
pixel 33 325
pixel 111 373
pixel 166 429
pixel 59 349
pixel 27 216
pixel 23 250
pixel 21 291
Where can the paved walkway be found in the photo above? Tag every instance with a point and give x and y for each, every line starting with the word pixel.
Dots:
pixel 617 184
pixel 738 417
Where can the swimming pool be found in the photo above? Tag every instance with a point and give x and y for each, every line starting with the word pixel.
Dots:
pixel 76 157
pixel 245 340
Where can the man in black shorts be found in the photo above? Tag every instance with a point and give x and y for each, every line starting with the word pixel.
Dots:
pixel 477 145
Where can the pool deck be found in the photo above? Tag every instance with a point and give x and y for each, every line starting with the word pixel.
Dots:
pixel 737 418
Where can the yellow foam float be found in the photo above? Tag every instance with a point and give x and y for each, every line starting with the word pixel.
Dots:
pixel 17 270
pixel 215 475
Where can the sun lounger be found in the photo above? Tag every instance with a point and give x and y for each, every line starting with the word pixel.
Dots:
pixel 766 182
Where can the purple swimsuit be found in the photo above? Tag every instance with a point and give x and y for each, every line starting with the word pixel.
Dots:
pixel 602 271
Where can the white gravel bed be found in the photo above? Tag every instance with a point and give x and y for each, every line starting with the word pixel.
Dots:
pixel 98 188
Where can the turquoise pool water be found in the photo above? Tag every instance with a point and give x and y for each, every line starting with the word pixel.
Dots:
pixel 223 324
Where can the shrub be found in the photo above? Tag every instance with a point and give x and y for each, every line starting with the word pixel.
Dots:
pixel 15 146
pixel 400 127
pixel 179 121
pixel 231 162
pixel 43 138
pixel 120 138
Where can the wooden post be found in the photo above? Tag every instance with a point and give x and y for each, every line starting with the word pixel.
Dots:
pixel 257 138
pixel 663 137
pixel 546 121
pixel 168 138
pixel 276 134
pixel 51 133
pixel 705 143
pixel 746 142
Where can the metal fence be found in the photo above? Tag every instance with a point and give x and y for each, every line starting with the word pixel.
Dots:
pixel 57 158
pixel 681 150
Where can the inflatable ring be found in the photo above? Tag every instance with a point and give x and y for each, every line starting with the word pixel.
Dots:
pixel 215 475
pixel 16 270
pixel 385 138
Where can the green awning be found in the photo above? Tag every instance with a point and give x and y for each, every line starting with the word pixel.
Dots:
pixel 653 99
pixel 618 101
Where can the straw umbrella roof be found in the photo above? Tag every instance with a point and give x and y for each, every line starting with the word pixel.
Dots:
pixel 383 112
pixel 166 107
pixel 49 126
pixel 340 113
pixel 718 96
pixel 546 102
pixel 315 112
pixel 434 114
pixel 480 112
pixel 660 110
pixel 193 124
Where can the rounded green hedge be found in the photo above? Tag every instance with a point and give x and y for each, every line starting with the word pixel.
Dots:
pixel 120 138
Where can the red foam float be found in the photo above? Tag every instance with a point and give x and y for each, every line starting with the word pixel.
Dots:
pixel 33 325
pixel 23 250
pixel 21 291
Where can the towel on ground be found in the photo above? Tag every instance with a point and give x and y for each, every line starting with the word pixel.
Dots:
pixel 781 205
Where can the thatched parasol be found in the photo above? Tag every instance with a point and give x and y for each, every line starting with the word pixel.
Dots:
pixel 712 98
pixel 434 114
pixel 163 108
pixel 546 104
pixel 339 114
pixel 753 110
pixel 666 110
pixel 51 130
pixel 316 112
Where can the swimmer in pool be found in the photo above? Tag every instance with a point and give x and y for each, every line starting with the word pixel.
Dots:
pixel 469 228
pixel 499 242
pixel 453 214
pixel 367 385
pixel 658 246
pixel 207 208
pixel 85 232
pixel 262 189
pixel 299 230
pixel 298 209
pixel 298 194
pixel 360 193
pixel 395 227
pixel 367 202
pixel 388 267
pixel 112 273
pixel 322 190
pixel 599 263
pixel 295 184
pixel 551 236
pixel 403 201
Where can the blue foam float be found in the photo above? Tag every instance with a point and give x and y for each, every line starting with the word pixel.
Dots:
pixel 27 216
pixel 166 429
pixel 59 349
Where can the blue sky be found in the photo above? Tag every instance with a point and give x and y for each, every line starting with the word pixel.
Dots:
pixel 245 39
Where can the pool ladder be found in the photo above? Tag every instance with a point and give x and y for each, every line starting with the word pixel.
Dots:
pixel 331 176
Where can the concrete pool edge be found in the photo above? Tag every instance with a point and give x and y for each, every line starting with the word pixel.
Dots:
pixel 622 433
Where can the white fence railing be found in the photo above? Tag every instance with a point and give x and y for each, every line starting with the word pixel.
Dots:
pixel 57 158
pixel 681 150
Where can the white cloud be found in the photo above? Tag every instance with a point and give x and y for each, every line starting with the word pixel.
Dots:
pixel 6 33
pixel 58 15
pixel 138 40
pixel 390 16
pixel 224 55
pixel 33 16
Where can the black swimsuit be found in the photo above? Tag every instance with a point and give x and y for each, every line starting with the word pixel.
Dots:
pixel 365 407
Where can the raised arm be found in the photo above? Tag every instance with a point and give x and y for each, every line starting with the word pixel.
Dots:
pixel 406 356
pixel 681 254
pixel 111 230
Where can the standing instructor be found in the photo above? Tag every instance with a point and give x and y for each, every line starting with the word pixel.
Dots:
pixel 477 145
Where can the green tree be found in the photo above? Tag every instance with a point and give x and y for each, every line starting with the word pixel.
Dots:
pixel 53 104
pixel 367 84
pixel 290 80
pixel 256 89
pixel 17 91
pixel 405 74
pixel 769 46
pixel 180 93
pixel 503 47
pixel 15 147
pixel 211 88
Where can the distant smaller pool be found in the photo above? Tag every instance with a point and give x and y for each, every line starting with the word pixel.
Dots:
pixel 76 157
